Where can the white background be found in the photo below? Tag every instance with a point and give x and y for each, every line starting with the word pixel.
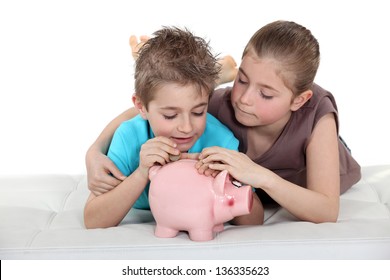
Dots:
pixel 66 68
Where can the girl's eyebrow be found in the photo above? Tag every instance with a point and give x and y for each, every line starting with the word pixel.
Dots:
pixel 242 71
pixel 263 85
pixel 175 108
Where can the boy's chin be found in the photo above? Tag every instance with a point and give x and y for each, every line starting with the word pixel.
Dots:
pixel 183 148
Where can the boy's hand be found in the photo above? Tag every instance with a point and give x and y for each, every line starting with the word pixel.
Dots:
pixel 156 150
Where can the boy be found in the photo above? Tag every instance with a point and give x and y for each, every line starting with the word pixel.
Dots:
pixel 174 76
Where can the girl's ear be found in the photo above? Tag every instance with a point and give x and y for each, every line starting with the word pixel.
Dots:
pixel 300 100
pixel 139 106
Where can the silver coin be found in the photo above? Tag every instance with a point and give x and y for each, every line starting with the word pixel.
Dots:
pixel 174 157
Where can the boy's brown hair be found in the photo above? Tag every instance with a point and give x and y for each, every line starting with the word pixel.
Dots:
pixel 176 56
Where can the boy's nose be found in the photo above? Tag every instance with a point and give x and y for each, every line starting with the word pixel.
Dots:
pixel 185 126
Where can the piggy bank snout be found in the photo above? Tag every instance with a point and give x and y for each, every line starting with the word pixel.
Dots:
pixel 241 201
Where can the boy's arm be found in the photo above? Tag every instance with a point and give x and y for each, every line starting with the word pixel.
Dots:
pixel 109 209
pixel 99 166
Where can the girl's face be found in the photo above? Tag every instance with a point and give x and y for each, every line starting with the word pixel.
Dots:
pixel 179 113
pixel 259 95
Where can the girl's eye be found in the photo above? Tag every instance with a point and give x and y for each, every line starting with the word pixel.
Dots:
pixel 242 81
pixel 268 97
pixel 169 117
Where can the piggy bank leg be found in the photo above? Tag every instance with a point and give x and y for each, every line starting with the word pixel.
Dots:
pixel 165 232
pixel 201 235
pixel 218 228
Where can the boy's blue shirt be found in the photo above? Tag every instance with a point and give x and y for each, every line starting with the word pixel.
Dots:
pixel 126 145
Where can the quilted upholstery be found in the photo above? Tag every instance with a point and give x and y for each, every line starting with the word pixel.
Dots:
pixel 41 217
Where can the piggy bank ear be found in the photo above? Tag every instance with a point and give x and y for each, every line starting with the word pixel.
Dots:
pixel 153 171
pixel 219 182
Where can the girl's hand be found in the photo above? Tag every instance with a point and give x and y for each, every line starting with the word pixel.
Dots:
pixel 239 165
pixel 102 174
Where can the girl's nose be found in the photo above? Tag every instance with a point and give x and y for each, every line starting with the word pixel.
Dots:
pixel 246 97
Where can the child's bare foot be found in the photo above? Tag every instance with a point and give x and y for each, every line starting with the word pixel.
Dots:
pixel 228 69
pixel 136 45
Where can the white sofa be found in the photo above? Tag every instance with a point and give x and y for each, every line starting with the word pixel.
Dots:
pixel 41 217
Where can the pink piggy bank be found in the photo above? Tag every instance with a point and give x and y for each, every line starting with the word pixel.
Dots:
pixel 181 199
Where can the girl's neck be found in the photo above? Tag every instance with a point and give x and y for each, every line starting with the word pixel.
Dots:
pixel 261 138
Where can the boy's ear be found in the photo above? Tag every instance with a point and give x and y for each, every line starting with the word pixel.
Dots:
pixel 139 106
pixel 301 99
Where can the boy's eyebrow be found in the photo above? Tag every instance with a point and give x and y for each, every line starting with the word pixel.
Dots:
pixel 175 108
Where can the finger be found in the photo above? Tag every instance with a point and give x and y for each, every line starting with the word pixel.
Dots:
pixel 202 169
pixel 97 193
pixel 209 151
pixel 219 166
pixel 101 189
pixel 167 145
pixel 116 173
pixel 208 172
pixel 149 160
pixel 189 156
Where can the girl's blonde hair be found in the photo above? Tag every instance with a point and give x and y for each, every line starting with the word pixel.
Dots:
pixel 294 47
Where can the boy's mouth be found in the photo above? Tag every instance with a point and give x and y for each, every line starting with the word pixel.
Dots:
pixel 182 140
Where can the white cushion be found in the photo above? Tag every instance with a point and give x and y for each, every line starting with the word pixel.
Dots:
pixel 41 217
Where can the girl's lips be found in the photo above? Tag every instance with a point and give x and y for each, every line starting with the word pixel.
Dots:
pixel 242 111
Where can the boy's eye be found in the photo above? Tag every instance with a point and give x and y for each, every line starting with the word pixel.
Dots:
pixel 169 117
pixel 198 114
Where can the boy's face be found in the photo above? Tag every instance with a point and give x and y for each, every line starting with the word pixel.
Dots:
pixel 177 112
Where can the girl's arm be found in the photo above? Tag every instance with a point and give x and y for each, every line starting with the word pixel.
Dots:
pixel 319 202
pixel 99 166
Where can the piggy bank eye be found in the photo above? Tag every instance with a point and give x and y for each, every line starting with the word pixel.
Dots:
pixel 237 184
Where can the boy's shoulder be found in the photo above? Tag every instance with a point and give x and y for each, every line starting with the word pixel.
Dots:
pixel 136 122
pixel 215 134
pixel 135 126
pixel 212 123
